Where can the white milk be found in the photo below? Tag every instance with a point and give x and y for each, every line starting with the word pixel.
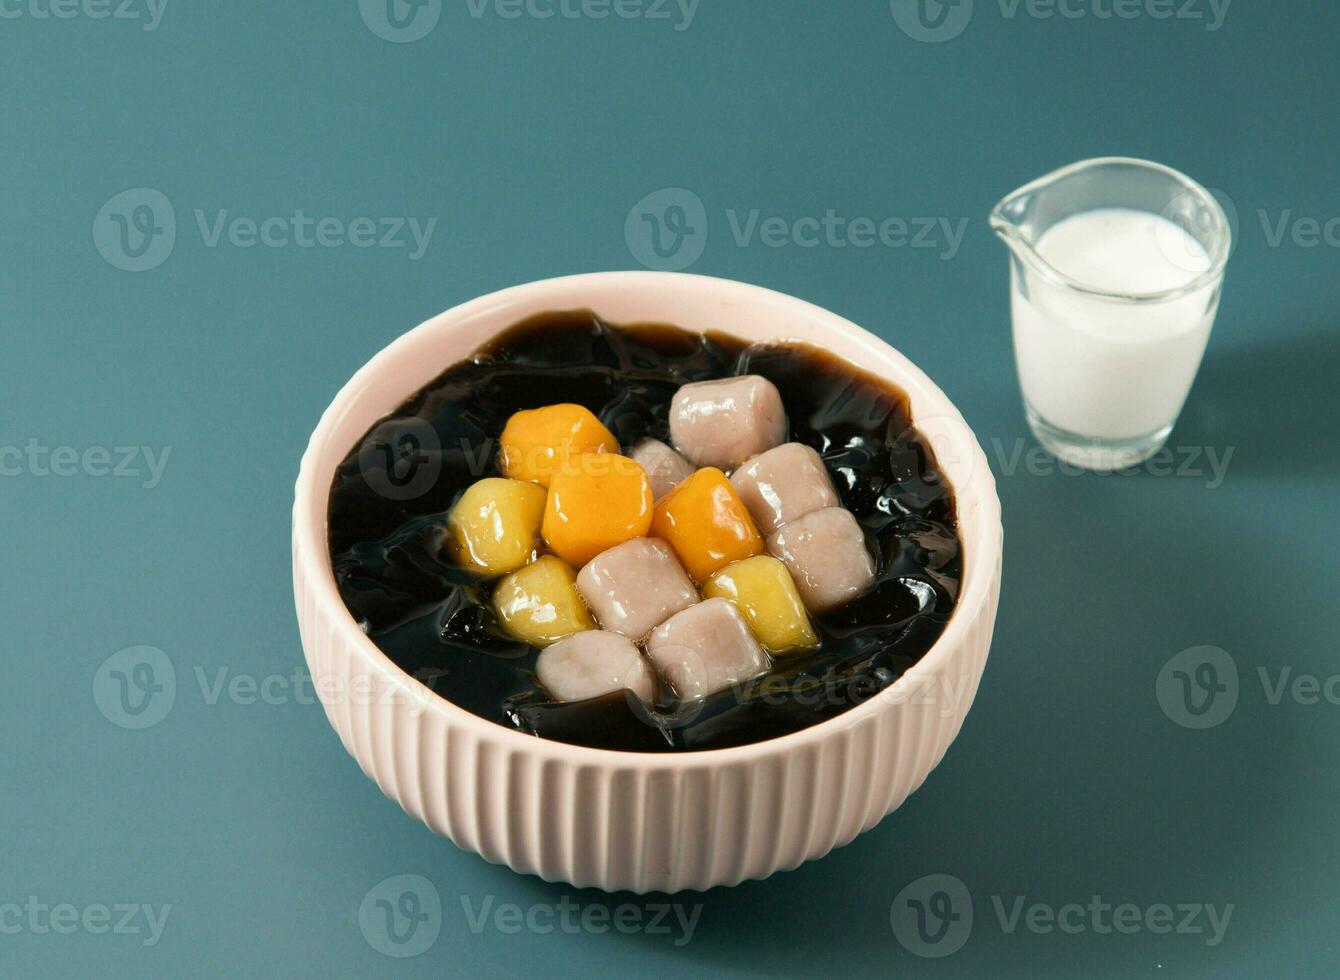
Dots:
pixel 1104 369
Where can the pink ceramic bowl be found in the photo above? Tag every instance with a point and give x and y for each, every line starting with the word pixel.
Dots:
pixel 625 820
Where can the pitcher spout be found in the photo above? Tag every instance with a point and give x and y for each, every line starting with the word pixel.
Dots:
pixel 1006 220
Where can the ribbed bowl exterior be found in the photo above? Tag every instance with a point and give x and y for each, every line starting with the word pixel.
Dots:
pixel 636 821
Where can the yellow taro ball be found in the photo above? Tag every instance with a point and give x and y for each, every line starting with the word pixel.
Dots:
pixel 762 589
pixel 493 527
pixel 539 604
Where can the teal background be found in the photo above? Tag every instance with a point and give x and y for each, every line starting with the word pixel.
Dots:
pixel 530 140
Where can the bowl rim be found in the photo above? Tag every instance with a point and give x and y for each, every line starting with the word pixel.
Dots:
pixel 981 552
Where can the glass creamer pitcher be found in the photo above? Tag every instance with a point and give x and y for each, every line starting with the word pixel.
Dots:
pixel 1116 269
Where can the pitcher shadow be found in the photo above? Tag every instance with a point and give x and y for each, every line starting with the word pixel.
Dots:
pixel 1276 403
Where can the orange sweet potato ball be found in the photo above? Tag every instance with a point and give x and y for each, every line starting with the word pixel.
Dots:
pixel 595 502
pixel 706 523
pixel 540 442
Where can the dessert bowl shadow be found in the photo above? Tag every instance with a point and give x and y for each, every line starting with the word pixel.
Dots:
pixel 626 820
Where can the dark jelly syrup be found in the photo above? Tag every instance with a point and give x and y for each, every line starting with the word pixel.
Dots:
pixel 391 495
